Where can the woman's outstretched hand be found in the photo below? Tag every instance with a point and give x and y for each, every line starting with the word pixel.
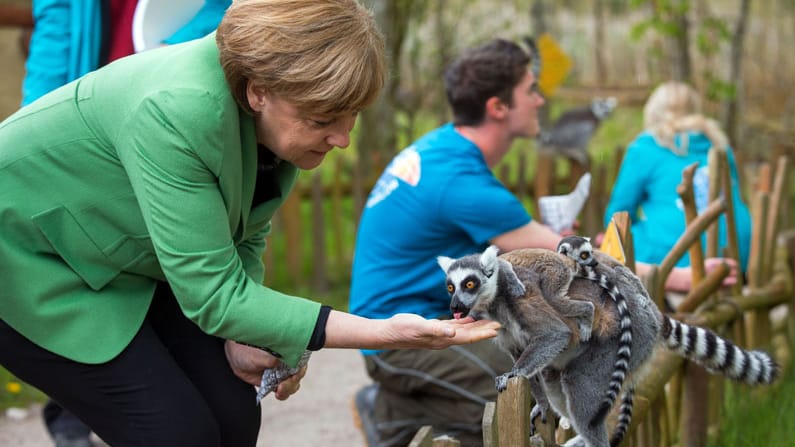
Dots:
pixel 409 331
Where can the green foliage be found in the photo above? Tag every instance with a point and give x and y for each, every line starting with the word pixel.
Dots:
pixel 764 418
pixel 717 89
pixel 712 34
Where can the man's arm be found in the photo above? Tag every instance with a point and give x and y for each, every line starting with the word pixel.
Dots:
pixel 531 235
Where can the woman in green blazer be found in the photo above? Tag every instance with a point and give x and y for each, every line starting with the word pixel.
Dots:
pixel 134 203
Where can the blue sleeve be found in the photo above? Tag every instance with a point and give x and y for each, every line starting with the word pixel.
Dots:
pixel 65 45
pixel 628 189
pixel 46 67
pixel 204 22
pixel 484 209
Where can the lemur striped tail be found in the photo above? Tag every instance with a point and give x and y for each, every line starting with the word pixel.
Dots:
pixel 625 341
pixel 717 354
pixel 624 418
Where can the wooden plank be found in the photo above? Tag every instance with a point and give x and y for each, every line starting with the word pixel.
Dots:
pixel 685 191
pixel 521 175
pixel 291 227
pixel 319 251
pixel 446 441
pixel 545 175
pixel 337 224
pixel 716 167
pixel 423 438
pixel 732 247
pixel 780 181
pixel 695 405
pixel 490 425
pixel 758 322
pixel 513 410
pixel 624 226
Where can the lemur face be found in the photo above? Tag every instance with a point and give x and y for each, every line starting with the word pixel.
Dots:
pixel 577 248
pixel 602 107
pixel 471 281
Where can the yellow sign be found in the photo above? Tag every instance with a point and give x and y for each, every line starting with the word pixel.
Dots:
pixel 611 244
pixel 555 65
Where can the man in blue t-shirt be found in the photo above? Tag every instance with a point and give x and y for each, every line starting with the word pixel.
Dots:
pixel 439 197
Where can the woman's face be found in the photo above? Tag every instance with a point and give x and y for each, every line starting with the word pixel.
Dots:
pixel 297 137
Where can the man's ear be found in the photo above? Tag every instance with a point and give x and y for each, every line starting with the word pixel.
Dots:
pixel 496 108
pixel 256 96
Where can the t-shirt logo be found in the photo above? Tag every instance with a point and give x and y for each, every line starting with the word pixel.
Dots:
pixel 405 166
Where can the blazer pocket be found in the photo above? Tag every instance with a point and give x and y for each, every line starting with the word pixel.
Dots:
pixel 76 247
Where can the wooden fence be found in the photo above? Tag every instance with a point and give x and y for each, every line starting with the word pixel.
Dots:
pixel 678 402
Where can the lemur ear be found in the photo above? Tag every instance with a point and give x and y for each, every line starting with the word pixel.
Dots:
pixel 444 262
pixel 488 260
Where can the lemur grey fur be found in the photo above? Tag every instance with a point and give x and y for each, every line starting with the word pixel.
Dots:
pixel 572 374
pixel 580 249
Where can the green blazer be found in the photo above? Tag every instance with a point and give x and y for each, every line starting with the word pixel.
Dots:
pixel 142 171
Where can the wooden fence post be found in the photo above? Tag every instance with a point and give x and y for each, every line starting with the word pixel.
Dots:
pixel 695 383
pixel 337 224
pixel 513 410
pixel 757 322
pixel 490 425
pixel 319 253
pixel 423 438
pixel 290 214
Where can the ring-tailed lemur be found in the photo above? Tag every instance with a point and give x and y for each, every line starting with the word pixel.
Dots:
pixel 557 273
pixel 580 249
pixel 572 375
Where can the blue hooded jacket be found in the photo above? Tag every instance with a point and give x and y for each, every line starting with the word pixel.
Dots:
pixel 646 188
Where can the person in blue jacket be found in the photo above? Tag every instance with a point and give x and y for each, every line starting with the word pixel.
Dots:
pixel 676 135
pixel 71 38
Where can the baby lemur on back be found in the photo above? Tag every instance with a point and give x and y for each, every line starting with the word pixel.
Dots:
pixel 545 342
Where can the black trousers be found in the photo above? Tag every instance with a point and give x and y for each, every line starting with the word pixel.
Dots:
pixel 172 386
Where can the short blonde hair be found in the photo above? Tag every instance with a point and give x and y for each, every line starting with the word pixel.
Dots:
pixel 674 108
pixel 324 57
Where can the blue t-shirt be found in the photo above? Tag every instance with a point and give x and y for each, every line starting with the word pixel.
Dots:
pixel 436 197
pixel 646 188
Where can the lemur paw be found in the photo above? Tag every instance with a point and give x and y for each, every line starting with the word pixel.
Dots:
pixel 538 410
pixel 502 381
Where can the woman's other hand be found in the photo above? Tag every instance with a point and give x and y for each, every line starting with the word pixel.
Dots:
pixel 248 363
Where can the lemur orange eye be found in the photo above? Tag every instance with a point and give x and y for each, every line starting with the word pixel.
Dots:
pixel 450 288
pixel 470 285
pixel 584 255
